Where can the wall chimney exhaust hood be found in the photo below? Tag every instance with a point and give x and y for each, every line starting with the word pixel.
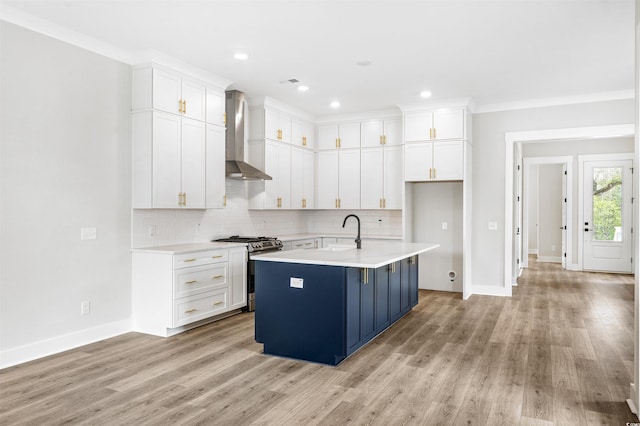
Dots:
pixel 235 166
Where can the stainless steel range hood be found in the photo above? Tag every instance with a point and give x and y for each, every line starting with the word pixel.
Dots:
pixel 235 167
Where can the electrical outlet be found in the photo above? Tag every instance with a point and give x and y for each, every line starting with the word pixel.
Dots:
pixel 444 226
pixel 151 231
pixel 85 307
pixel 197 228
pixel 88 233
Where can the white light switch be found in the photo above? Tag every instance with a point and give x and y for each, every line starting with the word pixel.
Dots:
pixel 444 226
pixel 493 226
pixel 88 233
pixel 296 282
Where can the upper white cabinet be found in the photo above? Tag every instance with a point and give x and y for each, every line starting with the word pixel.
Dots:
pixel 302 134
pixel 275 159
pixel 381 132
pixel 381 178
pixel 434 161
pixel 339 190
pixel 178 159
pixel 344 135
pixel 302 178
pixel 434 125
pixel 266 122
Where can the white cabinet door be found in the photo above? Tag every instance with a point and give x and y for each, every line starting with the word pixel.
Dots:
pixel 309 179
pixel 327 137
pixel 302 134
pixel 448 160
pixel 277 125
pixel 448 124
pixel 284 176
pixel 417 126
pixel 166 161
pixel 372 190
pixel 349 135
pixel 166 91
pixel 215 108
pixel 193 99
pixel 193 164
pixel 327 181
pixel 237 278
pixel 372 134
pixel 393 182
pixel 418 161
pixel 277 164
pixel 393 132
pixel 215 165
pixel 349 179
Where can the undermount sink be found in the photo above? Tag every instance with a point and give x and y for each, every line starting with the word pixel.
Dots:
pixel 337 248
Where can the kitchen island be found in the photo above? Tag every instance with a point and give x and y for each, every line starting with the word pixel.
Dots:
pixel 322 305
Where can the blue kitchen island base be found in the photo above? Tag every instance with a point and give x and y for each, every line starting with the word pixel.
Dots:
pixel 325 313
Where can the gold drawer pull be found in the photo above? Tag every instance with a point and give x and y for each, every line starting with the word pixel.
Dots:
pixel 215 277
pixel 218 303
pixel 190 311
pixel 191 282
pixel 218 256
pixel 299 245
pixel 190 260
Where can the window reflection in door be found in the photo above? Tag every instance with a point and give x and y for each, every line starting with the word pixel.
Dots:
pixel 607 203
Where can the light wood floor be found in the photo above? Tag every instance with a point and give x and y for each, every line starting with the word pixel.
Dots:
pixel 560 351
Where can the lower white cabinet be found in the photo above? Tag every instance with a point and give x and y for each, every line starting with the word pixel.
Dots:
pixel 174 292
pixel 434 161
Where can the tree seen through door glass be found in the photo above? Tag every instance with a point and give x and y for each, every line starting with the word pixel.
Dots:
pixel 607 203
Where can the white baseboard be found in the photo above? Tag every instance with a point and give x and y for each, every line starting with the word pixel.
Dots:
pixel 54 345
pixel 489 290
pixel 574 267
pixel 631 401
pixel 549 259
pixel 533 251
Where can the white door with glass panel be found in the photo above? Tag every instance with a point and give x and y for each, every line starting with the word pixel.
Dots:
pixel 607 216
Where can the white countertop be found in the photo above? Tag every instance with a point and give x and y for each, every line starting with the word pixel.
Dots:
pixel 187 248
pixel 373 254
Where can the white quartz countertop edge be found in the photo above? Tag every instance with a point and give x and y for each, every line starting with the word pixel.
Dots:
pixel 294 237
pixel 374 255
pixel 187 248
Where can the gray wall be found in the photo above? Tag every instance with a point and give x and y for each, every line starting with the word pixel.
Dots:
pixel 550 212
pixel 488 169
pixel 64 164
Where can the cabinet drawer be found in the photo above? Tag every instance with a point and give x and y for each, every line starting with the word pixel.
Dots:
pixel 195 308
pixel 199 279
pixel 199 258
pixel 304 244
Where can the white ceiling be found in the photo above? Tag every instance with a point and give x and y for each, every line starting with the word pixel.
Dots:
pixel 491 51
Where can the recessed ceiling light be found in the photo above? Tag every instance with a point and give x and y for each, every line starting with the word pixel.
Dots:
pixel 335 104
pixel 241 56
pixel 303 88
pixel 425 94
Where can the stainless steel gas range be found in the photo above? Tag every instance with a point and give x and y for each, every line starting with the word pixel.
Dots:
pixel 255 245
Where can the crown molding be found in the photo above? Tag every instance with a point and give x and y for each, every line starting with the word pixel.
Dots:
pixel 48 28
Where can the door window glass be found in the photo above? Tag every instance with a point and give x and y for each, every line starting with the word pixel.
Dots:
pixel 607 203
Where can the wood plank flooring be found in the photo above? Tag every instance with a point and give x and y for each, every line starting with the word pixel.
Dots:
pixel 559 352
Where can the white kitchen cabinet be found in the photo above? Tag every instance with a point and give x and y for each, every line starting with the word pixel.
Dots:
pixel 302 178
pixel 434 161
pixel 178 94
pixel 344 135
pixel 174 292
pixel 381 132
pixel 381 180
pixel 266 122
pixel 169 161
pixel 275 159
pixel 302 134
pixel 215 172
pixel 237 278
pixel 172 167
pixel 303 244
pixel 342 189
pixel 439 124
pixel 215 107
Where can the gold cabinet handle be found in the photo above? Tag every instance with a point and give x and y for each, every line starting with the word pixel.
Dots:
pixel 179 105
pixel 224 200
pixel 434 172
pixel 215 277
pixel 434 133
pixel 430 173
pixel 304 203
pixel 218 303
pixel 179 198
pixel 184 198
pixel 184 106
pixel 191 282
pixel 380 202
pixel 339 203
pixel 339 143
pixel 224 117
pixel 392 267
pixel 190 311
pixel 365 275
pixel 336 203
pixel 190 260
pixel 381 140
pixel 430 133
pixel 217 256
pixel 384 138
pixel 384 203
pixel 304 141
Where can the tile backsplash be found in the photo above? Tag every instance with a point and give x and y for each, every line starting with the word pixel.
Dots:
pixel 161 227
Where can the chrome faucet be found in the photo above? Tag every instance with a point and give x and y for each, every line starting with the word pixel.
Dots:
pixel 358 241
